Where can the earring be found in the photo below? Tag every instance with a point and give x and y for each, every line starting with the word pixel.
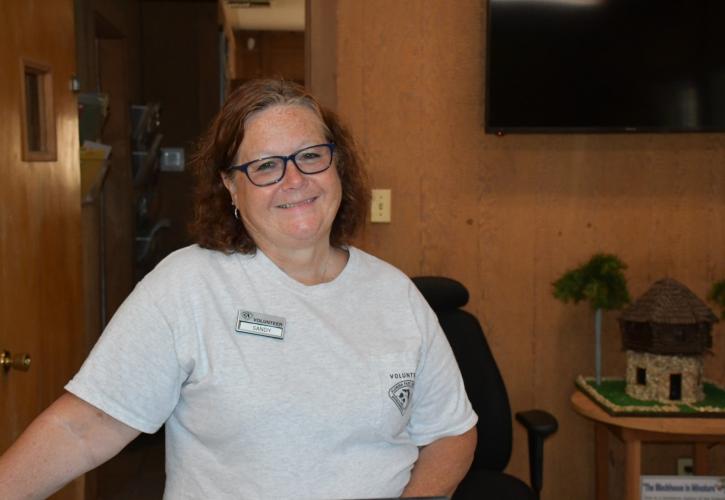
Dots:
pixel 236 213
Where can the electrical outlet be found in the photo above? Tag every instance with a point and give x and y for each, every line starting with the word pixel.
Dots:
pixel 380 205
pixel 684 466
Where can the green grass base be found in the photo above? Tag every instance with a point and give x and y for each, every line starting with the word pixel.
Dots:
pixel 611 396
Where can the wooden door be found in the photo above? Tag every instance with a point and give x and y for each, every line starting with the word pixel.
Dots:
pixel 40 211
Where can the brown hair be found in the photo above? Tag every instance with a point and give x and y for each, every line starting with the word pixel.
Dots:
pixel 214 225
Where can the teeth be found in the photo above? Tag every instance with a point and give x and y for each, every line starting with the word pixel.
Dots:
pixel 290 205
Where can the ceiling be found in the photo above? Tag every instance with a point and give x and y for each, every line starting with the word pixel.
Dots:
pixel 275 15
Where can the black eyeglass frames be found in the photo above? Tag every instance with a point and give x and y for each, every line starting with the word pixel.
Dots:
pixel 271 170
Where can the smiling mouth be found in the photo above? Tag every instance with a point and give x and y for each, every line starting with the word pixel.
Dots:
pixel 297 204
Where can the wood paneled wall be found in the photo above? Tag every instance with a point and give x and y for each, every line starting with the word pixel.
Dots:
pixel 265 54
pixel 507 215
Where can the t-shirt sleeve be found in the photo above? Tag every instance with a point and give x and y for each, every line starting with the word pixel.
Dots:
pixel 440 405
pixel 133 373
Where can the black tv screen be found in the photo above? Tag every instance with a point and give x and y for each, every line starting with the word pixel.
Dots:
pixel 605 65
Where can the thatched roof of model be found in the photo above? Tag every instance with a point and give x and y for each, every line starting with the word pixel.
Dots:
pixel 669 302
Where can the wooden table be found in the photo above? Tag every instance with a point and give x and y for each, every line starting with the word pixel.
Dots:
pixel 633 431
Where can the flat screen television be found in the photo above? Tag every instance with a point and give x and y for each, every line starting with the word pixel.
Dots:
pixel 605 66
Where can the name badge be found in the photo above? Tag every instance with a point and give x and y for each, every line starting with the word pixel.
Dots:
pixel 260 324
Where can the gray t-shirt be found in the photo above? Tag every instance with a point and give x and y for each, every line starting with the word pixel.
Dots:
pixel 271 389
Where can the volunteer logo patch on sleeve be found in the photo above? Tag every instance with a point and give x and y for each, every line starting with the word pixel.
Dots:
pixel 400 394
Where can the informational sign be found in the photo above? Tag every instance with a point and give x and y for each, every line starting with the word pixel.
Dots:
pixel 682 488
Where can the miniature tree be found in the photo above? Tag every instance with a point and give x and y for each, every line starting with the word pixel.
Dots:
pixel 717 295
pixel 602 283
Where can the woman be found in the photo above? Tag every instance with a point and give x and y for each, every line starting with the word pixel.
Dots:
pixel 284 363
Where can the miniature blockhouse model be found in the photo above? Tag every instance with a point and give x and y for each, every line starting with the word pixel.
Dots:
pixel 665 334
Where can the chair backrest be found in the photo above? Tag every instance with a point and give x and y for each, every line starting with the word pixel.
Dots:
pixel 481 376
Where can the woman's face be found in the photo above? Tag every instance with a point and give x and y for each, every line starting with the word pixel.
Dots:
pixel 298 211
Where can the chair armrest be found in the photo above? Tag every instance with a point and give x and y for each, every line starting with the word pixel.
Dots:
pixel 540 422
pixel 539 425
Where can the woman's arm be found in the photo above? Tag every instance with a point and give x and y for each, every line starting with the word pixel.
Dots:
pixel 441 465
pixel 68 439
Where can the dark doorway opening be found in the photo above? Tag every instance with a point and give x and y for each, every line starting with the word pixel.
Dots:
pixel 676 387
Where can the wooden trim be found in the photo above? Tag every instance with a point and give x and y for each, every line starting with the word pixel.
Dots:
pixel 701 456
pixel 48 140
pixel 632 469
pixel 321 50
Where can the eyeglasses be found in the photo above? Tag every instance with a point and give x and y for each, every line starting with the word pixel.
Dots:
pixel 271 170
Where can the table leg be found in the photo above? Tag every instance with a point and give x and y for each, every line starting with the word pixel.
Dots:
pixel 601 451
pixel 701 464
pixel 632 468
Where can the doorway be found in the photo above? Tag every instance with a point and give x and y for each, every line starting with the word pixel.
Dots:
pixel 676 387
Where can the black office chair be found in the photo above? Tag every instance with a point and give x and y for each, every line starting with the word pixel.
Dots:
pixel 487 393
